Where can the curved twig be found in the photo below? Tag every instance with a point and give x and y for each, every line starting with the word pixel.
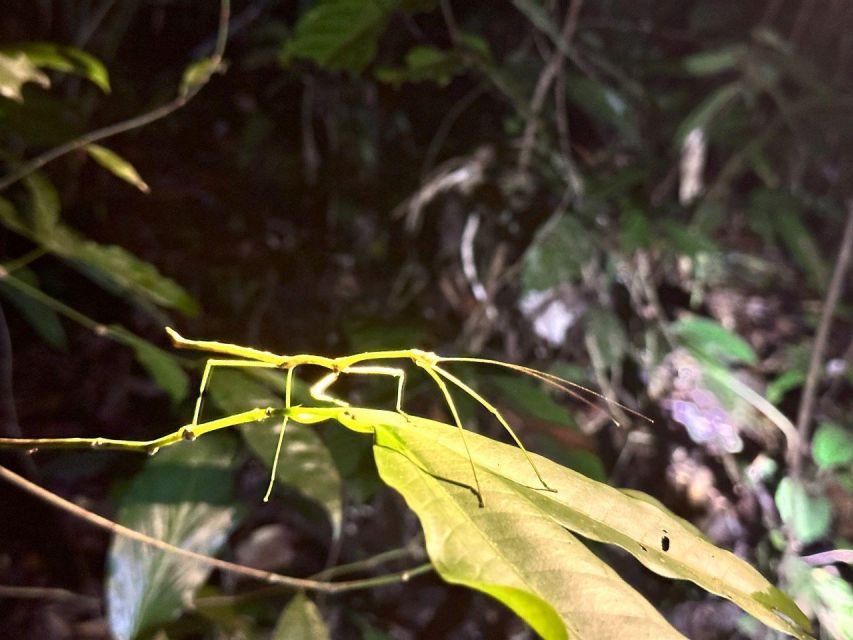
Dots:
pixel 133 123
pixel 223 565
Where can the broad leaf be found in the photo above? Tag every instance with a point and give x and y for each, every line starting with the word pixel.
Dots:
pixel 301 620
pixel 117 165
pixel 499 548
pixel 305 462
pixel 16 69
pixel 341 35
pixel 49 55
pixel 184 497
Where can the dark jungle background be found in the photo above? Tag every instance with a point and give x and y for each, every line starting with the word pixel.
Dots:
pixel 648 198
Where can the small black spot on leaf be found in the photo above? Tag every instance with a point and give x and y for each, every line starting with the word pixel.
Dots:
pixel 664 543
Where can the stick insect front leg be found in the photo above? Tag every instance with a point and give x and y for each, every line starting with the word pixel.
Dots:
pixel 318 389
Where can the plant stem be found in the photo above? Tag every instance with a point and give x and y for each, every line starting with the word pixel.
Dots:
pixel 132 123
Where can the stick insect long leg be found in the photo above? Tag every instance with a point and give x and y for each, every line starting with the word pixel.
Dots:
pixel 493 410
pixel 319 388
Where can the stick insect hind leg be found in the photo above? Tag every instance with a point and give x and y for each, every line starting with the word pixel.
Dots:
pixel 318 391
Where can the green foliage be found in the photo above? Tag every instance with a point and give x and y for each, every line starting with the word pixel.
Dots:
pixel 300 620
pixel 117 165
pixel 808 516
pixel 340 35
pixel 15 71
pixel 306 462
pixel 424 64
pixel 110 264
pixel 427 462
pixel 708 339
pixel 49 55
pixel 184 496
pixel 832 446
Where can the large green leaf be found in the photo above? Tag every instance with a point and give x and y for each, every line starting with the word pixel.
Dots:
pixel 301 620
pixel 305 462
pixel 184 497
pixel 499 548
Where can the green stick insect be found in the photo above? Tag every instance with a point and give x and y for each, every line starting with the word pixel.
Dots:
pixel 247 357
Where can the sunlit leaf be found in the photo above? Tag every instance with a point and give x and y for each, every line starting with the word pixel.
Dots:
pixel 16 69
pixel 49 55
pixel 498 548
pixel 806 515
pixel 110 264
pixel 301 620
pixel 117 165
pixel 184 497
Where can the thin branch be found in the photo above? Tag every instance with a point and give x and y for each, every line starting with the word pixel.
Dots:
pixel 829 557
pixel 543 85
pixel 836 286
pixel 223 565
pixel 133 123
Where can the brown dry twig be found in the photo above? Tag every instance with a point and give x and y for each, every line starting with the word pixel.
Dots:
pixel 833 294
pixel 223 565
